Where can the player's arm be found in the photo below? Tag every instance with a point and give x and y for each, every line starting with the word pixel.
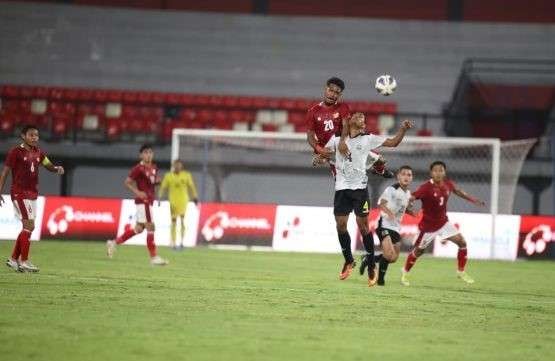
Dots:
pixel 311 136
pixel 342 147
pixel 3 177
pixel 192 189
pixel 163 187
pixel 410 209
pixel 459 192
pixel 131 185
pixel 396 140
pixel 46 163
pixel 383 207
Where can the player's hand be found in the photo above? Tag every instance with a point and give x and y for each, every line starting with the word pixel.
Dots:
pixel 317 160
pixel 324 152
pixel 479 202
pixel 59 170
pixel 343 148
pixel 407 124
pixel 195 201
pixel 1 200
pixel 142 195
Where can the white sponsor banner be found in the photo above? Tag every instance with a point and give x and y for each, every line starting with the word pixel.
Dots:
pixel 476 229
pixel 162 222
pixel 309 229
pixel 10 225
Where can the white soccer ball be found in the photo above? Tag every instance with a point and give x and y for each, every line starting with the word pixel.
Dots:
pixel 386 84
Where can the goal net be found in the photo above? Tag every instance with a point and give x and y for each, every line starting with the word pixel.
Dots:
pixel 267 167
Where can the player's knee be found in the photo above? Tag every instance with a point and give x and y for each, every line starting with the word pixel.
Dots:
pixel 341 226
pixel 462 242
pixel 29 225
pixel 418 252
pixel 139 227
pixel 390 256
pixel 150 227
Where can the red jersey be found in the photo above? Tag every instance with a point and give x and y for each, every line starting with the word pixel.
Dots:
pixel 434 199
pixel 146 178
pixel 326 121
pixel 24 164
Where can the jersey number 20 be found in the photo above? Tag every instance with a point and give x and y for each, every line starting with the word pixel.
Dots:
pixel 328 125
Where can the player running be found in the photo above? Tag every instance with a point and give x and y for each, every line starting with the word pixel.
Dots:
pixel 434 195
pixel 141 181
pixel 180 185
pixel 351 190
pixel 24 161
pixel 393 203
pixel 328 118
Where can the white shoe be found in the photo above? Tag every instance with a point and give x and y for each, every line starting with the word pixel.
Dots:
pixel 13 264
pixel 404 278
pixel 28 267
pixel 465 277
pixel 110 248
pixel 158 261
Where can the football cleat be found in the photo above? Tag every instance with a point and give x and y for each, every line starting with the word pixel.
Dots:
pixel 158 261
pixel 28 267
pixel 13 264
pixel 363 264
pixel 404 278
pixel 346 270
pixel 110 248
pixel 465 277
pixel 372 277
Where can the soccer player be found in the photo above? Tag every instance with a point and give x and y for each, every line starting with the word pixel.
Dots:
pixel 434 195
pixel 141 181
pixel 351 189
pixel 180 186
pixel 23 161
pixel 393 203
pixel 329 118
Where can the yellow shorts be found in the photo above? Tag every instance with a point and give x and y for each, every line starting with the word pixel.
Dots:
pixel 178 209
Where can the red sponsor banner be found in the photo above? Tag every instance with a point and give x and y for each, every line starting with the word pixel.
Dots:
pixel 537 237
pixel 236 224
pixel 80 218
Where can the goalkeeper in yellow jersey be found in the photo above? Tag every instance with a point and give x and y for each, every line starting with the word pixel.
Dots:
pixel 180 186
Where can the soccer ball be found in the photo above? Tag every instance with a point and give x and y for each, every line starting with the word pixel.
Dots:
pixel 386 84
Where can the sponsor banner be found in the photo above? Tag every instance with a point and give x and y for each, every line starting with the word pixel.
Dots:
pixel 309 229
pixel 234 224
pixel 476 229
pixel 10 225
pixel 537 237
pixel 162 222
pixel 80 218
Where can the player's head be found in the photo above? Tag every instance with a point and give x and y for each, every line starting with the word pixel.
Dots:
pixel 146 153
pixel 177 165
pixel 404 175
pixel 333 90
pixel 30 135
pixel 357 121
pixel 438 171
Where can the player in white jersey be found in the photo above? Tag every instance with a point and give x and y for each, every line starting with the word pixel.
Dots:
pixel 393 203
pixel 351 188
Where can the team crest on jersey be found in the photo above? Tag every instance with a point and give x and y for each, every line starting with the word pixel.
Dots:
pixel 435 194
pixel 319 118
pixel 336 115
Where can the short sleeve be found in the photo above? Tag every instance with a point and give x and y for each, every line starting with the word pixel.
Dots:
pixel 374 141
pixel 310 119
pixel 386 195
pixel 42 156
pixel 11 159
pixel 420 192
pixel 345 112
pixel 450 185
pixel 134 174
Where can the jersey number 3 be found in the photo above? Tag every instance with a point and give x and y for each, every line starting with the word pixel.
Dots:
pixel 441 199
pixel 328 125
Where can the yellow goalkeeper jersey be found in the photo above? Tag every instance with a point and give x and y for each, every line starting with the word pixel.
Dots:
pixel 180 186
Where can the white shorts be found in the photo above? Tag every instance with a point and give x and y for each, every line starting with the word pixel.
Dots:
pixel 446 231
pixel 144 213
pixel 25 209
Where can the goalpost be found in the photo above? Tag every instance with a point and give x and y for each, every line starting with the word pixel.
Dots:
pixel 271 167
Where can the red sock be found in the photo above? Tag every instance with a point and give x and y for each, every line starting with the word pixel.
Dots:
pixel 411 260
pixel 379 167
pixel 125 236
pixel 24 244
pixel 150 244
pixel 461 258
pixel 17 247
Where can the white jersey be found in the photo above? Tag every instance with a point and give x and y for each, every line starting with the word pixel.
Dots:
pixel 351 173
pixel 397 202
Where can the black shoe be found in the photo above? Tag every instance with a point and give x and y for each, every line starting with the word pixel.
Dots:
pixel 363 264
pixel 381 282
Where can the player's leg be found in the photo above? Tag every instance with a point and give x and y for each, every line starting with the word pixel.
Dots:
pixel 389 256
pixel 422 241
pixel 342 206
pixel 459 240
pixel 182 230
pixel 173 231
pixel 25 210
pixel 368 242
pixel 140 218
pixel 150 243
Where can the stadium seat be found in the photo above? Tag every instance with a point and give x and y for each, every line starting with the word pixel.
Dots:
pixel 130 97
pixel 187 115
pixel 144 97
pixel 172 98
pixel 10 91
pixel 158 98
pixel 84 95
pixel 424 133
pixel 60 126
pixel 56 93
pixel 246 102
pixel 26 92
pixel 297 118
pixel 40 92
pixel 230 101
pixel 7 124
pixel 113 129
pixel 205 116
pixel 100 95
pixel 70 94
pixel 287 104
pixel 129 111
pixel 114 96
pixel 215 101
pixel 186 100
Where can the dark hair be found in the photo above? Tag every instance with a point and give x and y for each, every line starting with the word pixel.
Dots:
pixel 27 128
pixel 403 167
pixel 336 81
pixel 145 147
pixel 438 162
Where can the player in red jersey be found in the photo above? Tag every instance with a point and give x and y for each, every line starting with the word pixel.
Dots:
pixel 329 118
pixel 142 181
pixel 23 161
pixel 434 195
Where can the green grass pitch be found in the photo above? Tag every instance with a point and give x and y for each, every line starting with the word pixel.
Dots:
pixel 227 305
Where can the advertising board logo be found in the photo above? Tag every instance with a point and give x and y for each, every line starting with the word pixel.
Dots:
pixel 537 239
pixel 215 225
pixel 60 219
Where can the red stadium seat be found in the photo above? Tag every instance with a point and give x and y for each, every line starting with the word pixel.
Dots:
pixel 246 102
pixel 26 91
pixel 70 94
pixel 25 106
pixel 60 125
pixel 100 95
pixel 130 97
pixel 158 98
pixel 10 91
pixel 129 111
pixel 304 104
pixel 205 116
pixel 261 103
pixel 230 101
pixel 186 100
pixel 187 115
pixel 7 124
pixel 40 92
pixel 287 104
pixel 372 123
pixel 113 129
pixel 144 97
pixel 300 128
pixel 84 95
pixel 424 133
pixel 269 127
pixel 215 101
pixel 171 98
pixel 273 103
pixel 296 118
pixel 201 100
pixel 114 96
pixel 56 93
